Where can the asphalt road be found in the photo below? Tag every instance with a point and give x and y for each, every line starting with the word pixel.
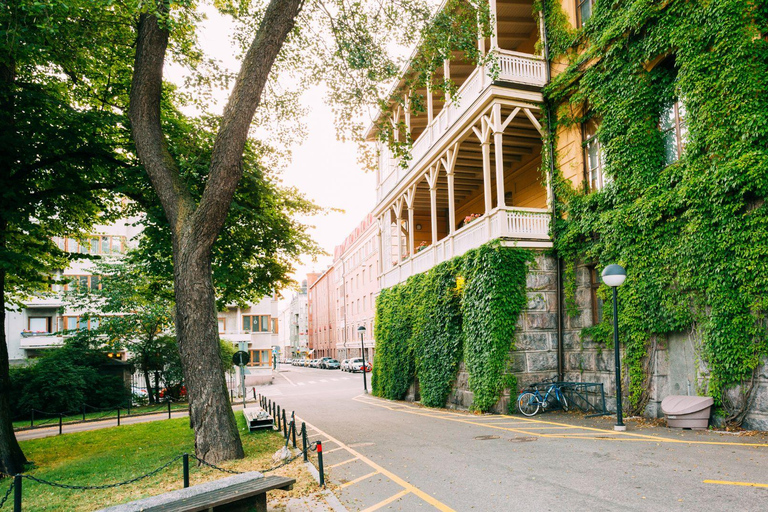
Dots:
pixel 384 455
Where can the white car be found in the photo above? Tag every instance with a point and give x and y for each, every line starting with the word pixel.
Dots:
pixel 345 365
pixel 356 365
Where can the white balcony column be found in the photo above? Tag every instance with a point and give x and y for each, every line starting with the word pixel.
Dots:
pixel 430 106
pixel 449 162
pixel 484 136
pixel 498 141
pixel 398 207
pixel 431 176
pixel 395 122
pixel 447 78
pixel 410 196
pixel 495 21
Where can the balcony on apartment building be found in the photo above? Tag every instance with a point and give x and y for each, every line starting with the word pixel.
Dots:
pixel 474 173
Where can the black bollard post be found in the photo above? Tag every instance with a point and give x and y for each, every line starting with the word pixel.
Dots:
pixel 304 440
pixel 293 426
pixel 254 394
pixel 285 426
pixel 231 395
pixel 277 417
pixel 17 493
pixel 32 420
pixel 61 420
pixel 320 462
pixel 169 409
pixel 118 416
pixel 83 412
pixel 185 459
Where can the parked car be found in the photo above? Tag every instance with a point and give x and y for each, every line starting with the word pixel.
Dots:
pixel 330 363
pixel 345 365
pixel 321 362
pixel 316 363
pixel 356 365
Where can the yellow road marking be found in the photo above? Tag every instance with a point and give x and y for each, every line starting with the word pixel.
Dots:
pixel 725 482
pixel 536 428
pixel 334 450
pixel 399 481
pixel 637 437
pixel 358 480
pixel 387 501
pixel 342 463
pixel 315 435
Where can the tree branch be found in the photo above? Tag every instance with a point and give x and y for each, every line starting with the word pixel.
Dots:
pixel 144 113
pixel 226 169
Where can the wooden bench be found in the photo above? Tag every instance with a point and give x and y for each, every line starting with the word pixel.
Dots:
pixel 252 418
pixel 247 491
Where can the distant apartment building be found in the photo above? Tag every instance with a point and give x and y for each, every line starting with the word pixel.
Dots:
pixel 44 320
pixel 294 334
pixel 322 315
pixel 356 268
pixel 40 324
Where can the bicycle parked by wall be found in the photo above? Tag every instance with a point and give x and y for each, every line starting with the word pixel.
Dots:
pixel 531 401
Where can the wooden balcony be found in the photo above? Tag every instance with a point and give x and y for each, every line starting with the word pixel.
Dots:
pixel 526 227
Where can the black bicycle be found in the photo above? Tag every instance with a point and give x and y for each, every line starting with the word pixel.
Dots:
pixel 531 401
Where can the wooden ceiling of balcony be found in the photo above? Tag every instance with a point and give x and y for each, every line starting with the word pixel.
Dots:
pixel 522 143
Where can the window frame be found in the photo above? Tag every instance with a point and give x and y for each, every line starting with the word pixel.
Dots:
pixel 579 21
pixel 596 302
pixel 588 138
pixel 677 128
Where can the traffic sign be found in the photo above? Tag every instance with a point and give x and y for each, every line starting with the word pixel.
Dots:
pixel 241 358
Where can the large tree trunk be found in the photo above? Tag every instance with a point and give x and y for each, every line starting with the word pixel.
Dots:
pixel 12 459
pixel 195 226
pixel 210 412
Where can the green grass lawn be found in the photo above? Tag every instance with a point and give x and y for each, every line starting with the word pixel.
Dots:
pixel 120 453
pixel 52 421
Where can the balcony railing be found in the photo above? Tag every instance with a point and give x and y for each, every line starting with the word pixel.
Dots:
pixel 513 67
pixel 513 223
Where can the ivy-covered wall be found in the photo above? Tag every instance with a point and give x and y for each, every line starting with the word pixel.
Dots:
pixel 463 311
pixel 692 234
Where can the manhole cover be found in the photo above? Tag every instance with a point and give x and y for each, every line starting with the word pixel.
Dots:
pixel 522 439
pixel 485 438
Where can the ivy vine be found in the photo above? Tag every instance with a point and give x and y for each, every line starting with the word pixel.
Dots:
pixel 464 309
pixel 692 234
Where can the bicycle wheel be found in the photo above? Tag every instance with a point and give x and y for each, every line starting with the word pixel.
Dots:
pixel 563 400
pixel 528 404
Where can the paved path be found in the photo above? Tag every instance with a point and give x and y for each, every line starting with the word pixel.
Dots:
pixel 387 455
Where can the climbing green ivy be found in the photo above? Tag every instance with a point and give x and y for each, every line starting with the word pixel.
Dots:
pixel 465 309
pixel 693 235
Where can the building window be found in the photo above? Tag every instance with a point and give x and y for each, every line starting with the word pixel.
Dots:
pixel 593 155
pixel 584 10
pixel 82 282
pixel 73 323
pixel 597 302
pixel 39 324
pixel 95 244
pixel 256 323
pixel 274 326
pixel 260 358
pixel 673 131
pixel 222 325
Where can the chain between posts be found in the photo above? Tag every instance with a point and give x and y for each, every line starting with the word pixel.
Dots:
pixel 7 494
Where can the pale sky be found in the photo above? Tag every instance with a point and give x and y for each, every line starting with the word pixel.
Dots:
pixel 323 168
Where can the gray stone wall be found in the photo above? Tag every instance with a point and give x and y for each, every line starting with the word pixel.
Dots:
pixel 674 366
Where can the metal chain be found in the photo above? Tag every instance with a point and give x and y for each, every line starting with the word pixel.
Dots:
pixel 313 446
pixel 100 487
pixel 206 463
pixel 7 494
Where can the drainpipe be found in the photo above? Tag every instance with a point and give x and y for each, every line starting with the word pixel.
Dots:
pixel 559 278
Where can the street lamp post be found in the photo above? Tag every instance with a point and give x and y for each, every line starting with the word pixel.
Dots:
pixel 614 276
pixel 361 330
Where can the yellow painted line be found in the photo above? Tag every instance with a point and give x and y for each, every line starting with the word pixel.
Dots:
pixel 644 437
pixel 535 428
pixel 358 480
pixel 399 481
pixel 315 435
pixel 331 451
pixel 744 484
pixel 387 501
pixel 353 459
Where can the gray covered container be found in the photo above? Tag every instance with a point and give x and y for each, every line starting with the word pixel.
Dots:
pixel 687 411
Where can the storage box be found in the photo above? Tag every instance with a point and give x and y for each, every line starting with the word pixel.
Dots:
pixel 687 411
